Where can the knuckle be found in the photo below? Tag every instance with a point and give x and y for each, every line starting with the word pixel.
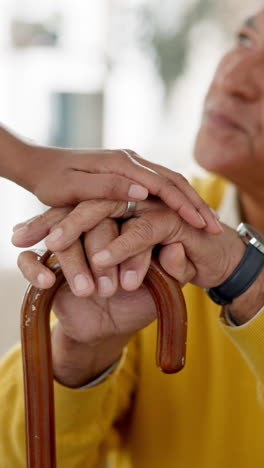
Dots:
pixel 125 153
pixel 116 158
pixel 118 209
pixel 108 226
pixel 200 204
pixel 173 226
pixel 75 217
pixel 128 154
pixel 41 220
pixel 177 231
pixel 107 208
pixel 127 225
pixel 53 214
pixel 169 182
pixel 144 229
pixel 179 179
pixel 100 235
pixel 161 182
pixel 46 215
pixel 107 160
pixel 181 206
pixel 125 244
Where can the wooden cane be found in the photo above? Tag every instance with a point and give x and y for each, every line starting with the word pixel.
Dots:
pixel 37 360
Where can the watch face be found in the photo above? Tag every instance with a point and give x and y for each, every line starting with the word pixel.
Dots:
pixel 250 235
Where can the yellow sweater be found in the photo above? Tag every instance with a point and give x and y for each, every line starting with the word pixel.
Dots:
pixel 210 415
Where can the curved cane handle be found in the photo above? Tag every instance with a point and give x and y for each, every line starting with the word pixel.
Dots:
pixel 172 318
pixel 37 360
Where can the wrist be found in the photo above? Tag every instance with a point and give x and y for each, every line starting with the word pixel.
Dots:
pixel 76 364
pixel 14 158
pixel 247 305
pixel 245 274
pixel 235 252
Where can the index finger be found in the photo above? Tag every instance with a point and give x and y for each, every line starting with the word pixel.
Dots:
pixel 159 226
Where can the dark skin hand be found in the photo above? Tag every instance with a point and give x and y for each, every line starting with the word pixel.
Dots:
pixel 65 177
pixel 82 219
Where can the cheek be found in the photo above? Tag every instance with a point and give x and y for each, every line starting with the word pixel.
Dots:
pixel 221 72
pixel 259 150
pixel 259 138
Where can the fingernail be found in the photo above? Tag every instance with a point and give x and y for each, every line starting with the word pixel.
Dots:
pixel 105 285
pixel 101 257
pixel 219 225
pixel 18 226
pixel 130 279
pixel 201 219
pixel 41 279
pixel 19 233
pixel 138 192
pixel 54 235
pixel 80 282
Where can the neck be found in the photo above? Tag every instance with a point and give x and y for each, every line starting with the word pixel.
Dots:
pixel 252 210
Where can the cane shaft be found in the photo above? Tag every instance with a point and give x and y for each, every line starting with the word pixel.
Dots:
pixel 37 359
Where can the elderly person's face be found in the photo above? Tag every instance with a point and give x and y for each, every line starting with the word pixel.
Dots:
pixel 231 137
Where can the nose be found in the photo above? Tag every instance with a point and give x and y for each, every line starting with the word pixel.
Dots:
pixel 238 76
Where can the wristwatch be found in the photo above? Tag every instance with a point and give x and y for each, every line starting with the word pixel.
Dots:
pixel 247 270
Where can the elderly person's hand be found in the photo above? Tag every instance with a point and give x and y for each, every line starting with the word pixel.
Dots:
pixel 208 259
pixel 97 220
pixel 188 254
pixel 84 218
pixel 93 330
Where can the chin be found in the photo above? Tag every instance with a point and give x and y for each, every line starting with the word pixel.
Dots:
pixel 220 155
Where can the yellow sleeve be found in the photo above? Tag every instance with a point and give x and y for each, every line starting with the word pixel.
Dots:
pixel 84 418
pixel 249 340
pixel 211 188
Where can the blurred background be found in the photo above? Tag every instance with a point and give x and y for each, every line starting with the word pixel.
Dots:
pixel 110 73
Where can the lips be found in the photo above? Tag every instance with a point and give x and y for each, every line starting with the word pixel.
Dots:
pixel 223 120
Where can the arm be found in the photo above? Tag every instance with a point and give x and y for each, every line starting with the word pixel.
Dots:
pixel 63 177
pixel 13 158
pixel 60 176
pixel 247 311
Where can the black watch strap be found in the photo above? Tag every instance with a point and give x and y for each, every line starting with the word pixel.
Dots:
pixel 242 277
